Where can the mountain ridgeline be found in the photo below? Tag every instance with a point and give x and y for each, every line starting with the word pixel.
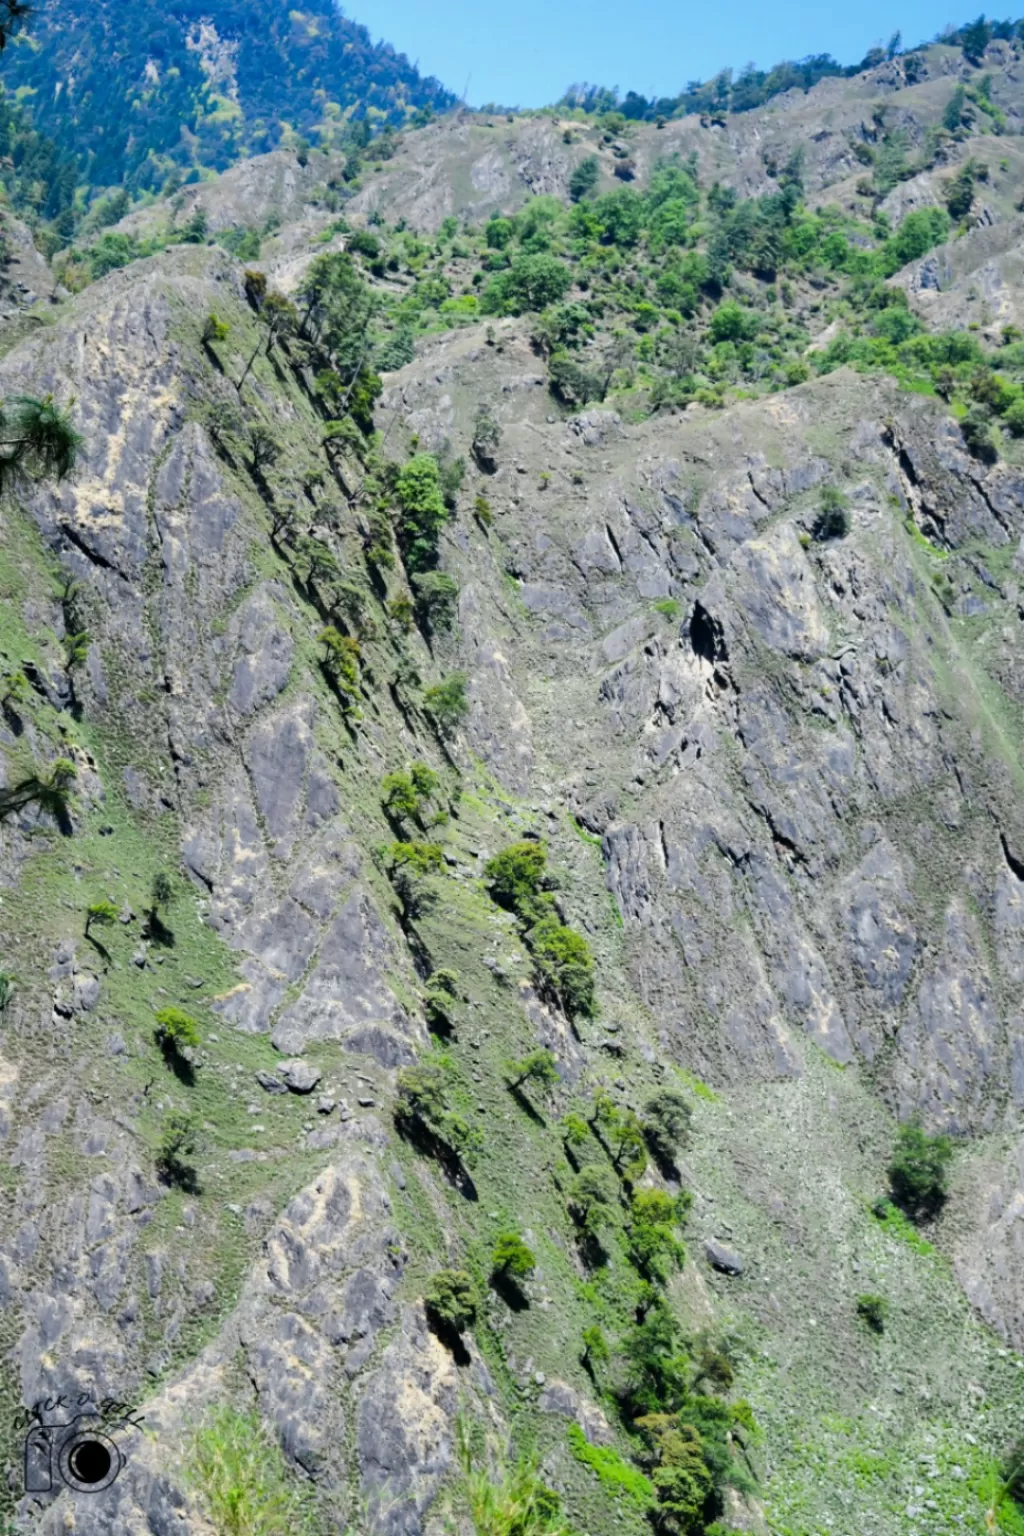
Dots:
pixel 511 833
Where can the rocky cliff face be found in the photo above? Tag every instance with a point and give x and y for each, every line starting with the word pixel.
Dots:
pixel 779 781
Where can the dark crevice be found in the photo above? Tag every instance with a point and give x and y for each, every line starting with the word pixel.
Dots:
pixel 664 844
pixel 93 556
pixel 706 636
pixel 758 495
pixel 614 544
pixel 1014 865
pixel 779 838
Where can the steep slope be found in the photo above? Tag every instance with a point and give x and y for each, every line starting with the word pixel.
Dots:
pixel 777 780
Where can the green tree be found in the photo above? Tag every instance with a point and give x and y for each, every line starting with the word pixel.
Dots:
pixel 423 1112
pixel 422 512
pixel 37 440
pixel 51 791
pixel 102 913
pixel 591 1200
pixel 399 796
pixel 176 1031
pixel 214 329
pixel 437 598
pixel 486 437
pixel 919 1171
pixel 516 876
pixel 960 192
pixel 538 1068
pixel 584 178
pixel 974 39
pixel 595 1350
pixel 564 967
pixel 341 663
pixel 446 703
pixel 953 116
pixel 511 1258
pixel 531 283
pixel 1014 418
pixel 666 1123
pixel 451 1299
pixel 653 1244
pixel 978 436
pixel 679 1472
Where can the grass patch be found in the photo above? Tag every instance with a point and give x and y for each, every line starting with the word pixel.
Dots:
pixel 613 1471
pixel 242 1478
pixel 894 1221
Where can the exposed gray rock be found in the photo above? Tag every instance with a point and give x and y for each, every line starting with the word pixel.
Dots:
pixel 300 1076
pixel 727 1260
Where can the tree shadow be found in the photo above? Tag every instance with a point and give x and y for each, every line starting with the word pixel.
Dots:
pixel 592 1251
pixel 101 949
pixel 451 1338
pixel 525 1105
pixel 178 1175
pixel 509 1291
pixel 212 357
pixel 157 931
pixel 182 1068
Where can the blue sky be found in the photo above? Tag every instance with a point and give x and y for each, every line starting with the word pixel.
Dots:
pixel 525 52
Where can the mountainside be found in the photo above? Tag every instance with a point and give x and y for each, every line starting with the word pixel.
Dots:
pixel 511 833
pixel 133 92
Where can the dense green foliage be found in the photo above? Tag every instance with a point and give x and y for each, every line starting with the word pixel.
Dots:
pixel 564 965
pixel 131 91
pixel 919 1171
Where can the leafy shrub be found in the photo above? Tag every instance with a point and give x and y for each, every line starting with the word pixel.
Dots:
pixel 919 1171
